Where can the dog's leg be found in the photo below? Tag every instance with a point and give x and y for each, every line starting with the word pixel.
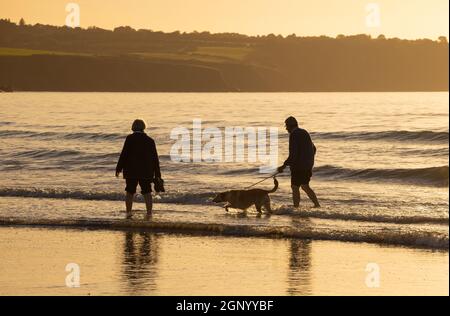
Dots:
pixel 267 204
pixel 258 207
pixel 227 207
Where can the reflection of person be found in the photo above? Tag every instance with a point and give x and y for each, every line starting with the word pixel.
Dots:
pixel 300 161
pixel 140 259
pixel 299 275
pixel 140 164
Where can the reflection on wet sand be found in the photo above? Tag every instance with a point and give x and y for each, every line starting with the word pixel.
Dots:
pixel 299 272
pixel 139 262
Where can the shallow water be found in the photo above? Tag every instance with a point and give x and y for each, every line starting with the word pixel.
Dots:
pixel 381 169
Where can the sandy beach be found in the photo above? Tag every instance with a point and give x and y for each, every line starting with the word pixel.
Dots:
pixel 139 263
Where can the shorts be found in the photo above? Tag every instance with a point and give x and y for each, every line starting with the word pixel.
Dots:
pixel 300 176
pixel 145 184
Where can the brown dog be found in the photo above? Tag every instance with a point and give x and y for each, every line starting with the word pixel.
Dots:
pixel 243 199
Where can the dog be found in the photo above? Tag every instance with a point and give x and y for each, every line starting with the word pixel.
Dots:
pixel 243 199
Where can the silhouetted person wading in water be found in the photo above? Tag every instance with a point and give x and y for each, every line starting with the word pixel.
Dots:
pixel 300 161
pixel 140 164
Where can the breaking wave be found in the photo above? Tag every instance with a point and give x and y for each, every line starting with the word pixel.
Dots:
pixel 434 176
pixel 59 135
pixel 415 238
pixel 205 198
pixel 181 198
pixel 419 136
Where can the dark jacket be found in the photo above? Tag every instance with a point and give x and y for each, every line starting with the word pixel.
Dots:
pixel 301 150
pixel 139 158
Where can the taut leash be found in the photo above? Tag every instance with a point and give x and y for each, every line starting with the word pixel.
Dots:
pixel 271 176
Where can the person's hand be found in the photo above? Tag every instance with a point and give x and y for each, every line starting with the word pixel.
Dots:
pixel 281 169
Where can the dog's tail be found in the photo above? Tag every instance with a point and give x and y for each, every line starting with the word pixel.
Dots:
pixel 275 181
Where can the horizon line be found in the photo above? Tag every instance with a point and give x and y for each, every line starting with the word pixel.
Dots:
pixel 86 28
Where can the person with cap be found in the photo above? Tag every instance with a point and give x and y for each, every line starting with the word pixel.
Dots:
pixel 300 161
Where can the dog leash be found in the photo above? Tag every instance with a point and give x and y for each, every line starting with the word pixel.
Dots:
pixel 273 175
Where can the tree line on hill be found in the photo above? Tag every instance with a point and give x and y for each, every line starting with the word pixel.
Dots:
pixel 268 63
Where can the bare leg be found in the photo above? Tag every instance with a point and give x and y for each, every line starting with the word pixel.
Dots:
pixel 296 195
pixel 311 194
pixel 148 203
pixel 129 202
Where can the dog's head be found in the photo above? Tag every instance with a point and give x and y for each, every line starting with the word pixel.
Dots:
pixel 221 197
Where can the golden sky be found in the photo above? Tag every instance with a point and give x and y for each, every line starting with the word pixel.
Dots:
pixel 398 18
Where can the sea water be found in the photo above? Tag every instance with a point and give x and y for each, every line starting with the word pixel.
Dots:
pixel 381 169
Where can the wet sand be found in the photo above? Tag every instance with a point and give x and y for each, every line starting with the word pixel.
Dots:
pixel 33 262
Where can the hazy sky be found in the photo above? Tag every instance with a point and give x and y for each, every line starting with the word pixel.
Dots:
pixel 398 18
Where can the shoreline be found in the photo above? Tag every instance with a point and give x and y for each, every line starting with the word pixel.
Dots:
pixel 223 230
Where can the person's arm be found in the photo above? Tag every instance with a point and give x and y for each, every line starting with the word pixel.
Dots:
pixel 294 144
pixel 294 150
pixel 122 158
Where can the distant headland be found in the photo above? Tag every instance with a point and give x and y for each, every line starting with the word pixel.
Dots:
pixel 50 58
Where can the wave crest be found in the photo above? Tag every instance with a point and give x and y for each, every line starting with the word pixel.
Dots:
pixel 204 198
pixel 434 176
pixel 418 136
pixel 395 237
pixel 59 135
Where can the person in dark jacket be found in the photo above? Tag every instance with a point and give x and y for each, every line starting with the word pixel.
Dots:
pixel 300 161
pixel 140 165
